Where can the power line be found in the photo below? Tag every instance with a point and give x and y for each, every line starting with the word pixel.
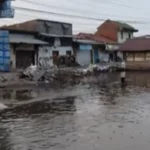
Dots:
pixel 73 22
pixel 112 2
pixel 75 16
pixel 33 16
pixel 49 5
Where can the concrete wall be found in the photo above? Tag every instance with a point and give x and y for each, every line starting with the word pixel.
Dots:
pixel 50 27
pixel 137 60
pixel 45 53
pixel 25 47
pixel 137 56
pixel 125 36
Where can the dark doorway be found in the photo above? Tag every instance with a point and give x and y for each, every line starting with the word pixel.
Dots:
pixel 56 58
pixel 55 53
pixel 24 59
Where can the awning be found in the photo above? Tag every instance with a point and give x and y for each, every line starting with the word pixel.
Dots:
pixel 26 39
pixel 81 41
pixel 55 35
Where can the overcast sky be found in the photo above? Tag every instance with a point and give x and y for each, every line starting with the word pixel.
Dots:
pixel 131 11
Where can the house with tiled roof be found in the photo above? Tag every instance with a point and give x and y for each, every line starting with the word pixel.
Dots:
pixel 116 31
pixel 58 35
pixel 86 49
pixel 110 34
pixel 136 52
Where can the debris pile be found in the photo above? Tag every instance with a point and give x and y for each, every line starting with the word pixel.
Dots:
pixel 62 75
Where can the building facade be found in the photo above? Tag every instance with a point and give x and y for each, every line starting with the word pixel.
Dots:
pixel 57 34
pixel 88 51
pixel 59 37
pixel 136 52
pixel 21 50
pixel 117 31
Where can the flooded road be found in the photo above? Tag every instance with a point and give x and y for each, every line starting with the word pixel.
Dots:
pixel 97 114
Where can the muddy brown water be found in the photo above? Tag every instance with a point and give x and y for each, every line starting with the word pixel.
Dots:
pixel 97 114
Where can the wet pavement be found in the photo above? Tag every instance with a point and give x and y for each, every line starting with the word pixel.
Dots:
pixel 97 114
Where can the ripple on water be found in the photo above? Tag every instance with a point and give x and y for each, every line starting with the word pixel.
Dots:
pixel 92 117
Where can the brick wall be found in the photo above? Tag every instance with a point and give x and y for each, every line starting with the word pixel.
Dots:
pixel 108 29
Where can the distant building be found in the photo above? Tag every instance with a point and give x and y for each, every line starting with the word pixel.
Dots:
pixel 136 52
pixel 24 49
pixel 116 31
pixel 87 51
pixel 92 49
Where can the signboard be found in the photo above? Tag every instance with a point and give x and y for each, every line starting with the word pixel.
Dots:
pixel 5 9
pixel 85 47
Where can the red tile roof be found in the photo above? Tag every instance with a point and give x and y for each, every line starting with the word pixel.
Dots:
pixel 84 36
pixel 141 43
pixel 96 38
pixel 109 29
pixel 103 39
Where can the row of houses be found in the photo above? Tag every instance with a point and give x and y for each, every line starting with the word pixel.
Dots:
pixel 39 41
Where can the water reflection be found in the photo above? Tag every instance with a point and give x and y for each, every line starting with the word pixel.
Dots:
pixel 139 78
pixel 19 95
pixel 39 107
pixel 4 138
pixel 94 115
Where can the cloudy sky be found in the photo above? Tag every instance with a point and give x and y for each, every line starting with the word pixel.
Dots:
pixel 85 15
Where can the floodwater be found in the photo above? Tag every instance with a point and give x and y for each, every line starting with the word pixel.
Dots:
pixel 97 114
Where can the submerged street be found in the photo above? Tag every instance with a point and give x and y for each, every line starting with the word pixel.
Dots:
pixel 96 114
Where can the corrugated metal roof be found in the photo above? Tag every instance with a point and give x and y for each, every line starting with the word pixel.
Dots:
pixel 55 35
pixel 92 37
pixel 87 41
pixel 123 25
pixel 141 43
pixel 27 39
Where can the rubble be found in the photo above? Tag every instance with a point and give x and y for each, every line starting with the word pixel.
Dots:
pixel 33 73
pixel 62 75
pixel 2 106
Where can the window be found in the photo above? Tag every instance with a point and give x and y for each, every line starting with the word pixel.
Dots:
pixel 121 35
pixel 55 53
